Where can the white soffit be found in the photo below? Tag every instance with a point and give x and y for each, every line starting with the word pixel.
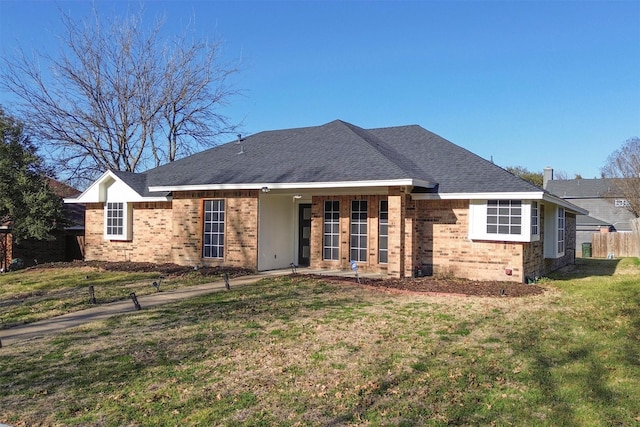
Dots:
pixel 294 185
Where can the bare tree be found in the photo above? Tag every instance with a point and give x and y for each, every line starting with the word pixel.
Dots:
pixel 624 166
pixel 120 96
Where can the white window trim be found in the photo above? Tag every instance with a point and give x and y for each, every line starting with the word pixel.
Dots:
pixel 222 234
pixel 355 245
pixel 551 231
pixel 478 223
pixel 334 250
pixel 381 223
pixel 535 236
pixel 127 233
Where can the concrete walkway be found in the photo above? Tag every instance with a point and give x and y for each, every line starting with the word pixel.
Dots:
pixel 57 324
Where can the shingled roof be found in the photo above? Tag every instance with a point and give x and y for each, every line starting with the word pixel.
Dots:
pixel 583 188
pixel 339 152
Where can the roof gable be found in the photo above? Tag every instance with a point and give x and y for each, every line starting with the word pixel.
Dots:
pixel 118 186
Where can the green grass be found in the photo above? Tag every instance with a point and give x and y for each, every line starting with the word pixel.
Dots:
pixel 35 294
pixel 293 351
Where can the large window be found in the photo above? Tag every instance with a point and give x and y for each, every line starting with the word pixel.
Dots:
pixel 213 233
pixel 359 230
pixel 505 220
pixel 383 233
pixel 561 228
pixel 504 217
pixel 115 219
pixel 331 232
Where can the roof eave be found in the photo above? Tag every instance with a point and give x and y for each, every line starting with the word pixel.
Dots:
pixel 548 197
pixel 507 195
pixel 295 185
pixel 495 195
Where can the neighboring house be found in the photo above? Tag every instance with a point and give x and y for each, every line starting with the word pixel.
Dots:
pixel 607 208
pixel 67 244
pixel 390 199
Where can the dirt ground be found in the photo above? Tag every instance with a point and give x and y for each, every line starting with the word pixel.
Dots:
pixel 419 284
pixel 435 285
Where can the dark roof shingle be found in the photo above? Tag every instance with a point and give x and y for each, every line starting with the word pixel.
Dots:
pixel 338 152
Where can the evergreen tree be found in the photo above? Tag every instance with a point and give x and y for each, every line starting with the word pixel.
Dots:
pixel 27 203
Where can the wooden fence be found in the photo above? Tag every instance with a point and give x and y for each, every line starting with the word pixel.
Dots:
pixel 620 244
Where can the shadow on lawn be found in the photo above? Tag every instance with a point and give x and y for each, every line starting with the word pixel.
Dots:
pixel 562 370
pixel 586 267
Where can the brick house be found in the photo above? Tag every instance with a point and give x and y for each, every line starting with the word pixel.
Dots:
pixel 390 199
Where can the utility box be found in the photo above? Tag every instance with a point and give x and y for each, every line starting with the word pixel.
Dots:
pixel 586 250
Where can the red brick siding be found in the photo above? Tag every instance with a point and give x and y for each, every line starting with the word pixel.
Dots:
pixel 151 237
pixel 172 231
pixel 443 245
pixel 317 226
pixel 241 228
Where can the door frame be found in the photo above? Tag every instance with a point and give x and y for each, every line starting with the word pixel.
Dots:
pixel 302 222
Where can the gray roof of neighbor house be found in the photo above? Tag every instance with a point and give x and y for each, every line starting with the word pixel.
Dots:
pixel 588 220
pixel 583 188
pixel 337 152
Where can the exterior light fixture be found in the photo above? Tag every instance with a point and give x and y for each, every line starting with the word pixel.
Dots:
pixel 265 189
pixel 297 196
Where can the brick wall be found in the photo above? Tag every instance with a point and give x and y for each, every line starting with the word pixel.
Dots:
pixel 241 237
pixel 343 263
pixel 443 246
pixel 432 233
pixel 398 252
pixel 151 240
pixel 172 231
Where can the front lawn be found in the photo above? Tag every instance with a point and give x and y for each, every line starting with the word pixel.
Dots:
pixel 51 290
pixel 301 351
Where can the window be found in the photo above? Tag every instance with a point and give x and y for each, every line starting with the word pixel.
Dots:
pixel 213 229
pixel 535 219
pixel 331 232
pixel 115 219
pixel 555 226
pixel 561 226
pixel 359 230
pixel 504 217
pixel 383 233
pixel 505 220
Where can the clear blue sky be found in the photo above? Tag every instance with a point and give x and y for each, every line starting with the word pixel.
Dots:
pixel 536 83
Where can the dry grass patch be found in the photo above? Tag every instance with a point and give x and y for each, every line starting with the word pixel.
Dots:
pixel 300 351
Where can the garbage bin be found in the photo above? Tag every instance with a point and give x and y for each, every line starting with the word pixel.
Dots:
pixel 586 250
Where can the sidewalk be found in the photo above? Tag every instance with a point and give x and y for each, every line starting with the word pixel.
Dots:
pixel 57 324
